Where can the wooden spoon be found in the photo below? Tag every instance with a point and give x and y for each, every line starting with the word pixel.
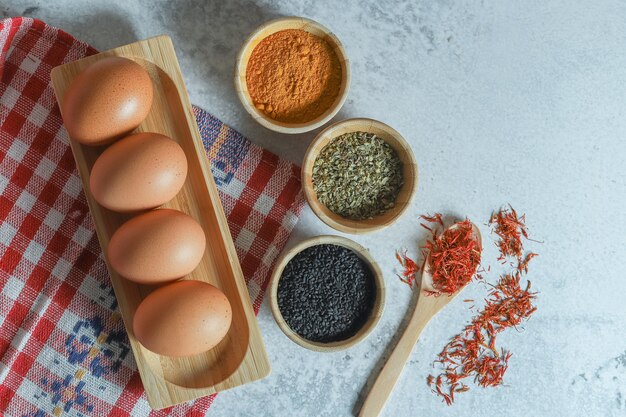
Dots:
pixel 425 310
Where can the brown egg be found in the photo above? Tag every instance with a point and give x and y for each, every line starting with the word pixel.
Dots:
pixel 157 246
pixel 108 99
pixel 140 172
pixel 183 318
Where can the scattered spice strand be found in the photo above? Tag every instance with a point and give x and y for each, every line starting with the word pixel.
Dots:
pixel 409 268
pixel 435 218
pixel 523 265
pixel 473 352
pixel 510 228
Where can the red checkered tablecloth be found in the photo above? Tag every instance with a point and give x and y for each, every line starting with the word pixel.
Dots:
pixel 63 348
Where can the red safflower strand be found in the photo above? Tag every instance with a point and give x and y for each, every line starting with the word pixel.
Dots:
pixel 473 352
pixel 409 269
pixel 523 265
pixel 435 218
pixel 510 228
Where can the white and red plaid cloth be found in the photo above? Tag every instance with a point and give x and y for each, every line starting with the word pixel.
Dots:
pixel 63 347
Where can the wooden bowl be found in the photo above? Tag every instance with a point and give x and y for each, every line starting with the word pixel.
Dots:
pixel 379 302
pixel 270 28
pixel 409 171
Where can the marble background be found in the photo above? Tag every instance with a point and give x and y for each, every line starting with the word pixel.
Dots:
pixel 519 102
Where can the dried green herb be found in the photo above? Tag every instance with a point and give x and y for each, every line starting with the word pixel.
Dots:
pixel 357 176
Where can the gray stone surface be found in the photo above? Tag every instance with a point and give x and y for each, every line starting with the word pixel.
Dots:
pixel 503 102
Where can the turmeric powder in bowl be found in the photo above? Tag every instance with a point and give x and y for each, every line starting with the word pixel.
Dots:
pixel 293 76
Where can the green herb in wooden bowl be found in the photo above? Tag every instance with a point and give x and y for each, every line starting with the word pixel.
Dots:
pixel 359 175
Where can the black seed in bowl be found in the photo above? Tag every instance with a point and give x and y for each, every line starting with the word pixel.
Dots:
pixel 326 293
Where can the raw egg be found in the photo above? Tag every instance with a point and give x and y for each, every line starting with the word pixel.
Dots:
pixel 183 318
pixel 108 99
pixel 140 172
pixel 157 246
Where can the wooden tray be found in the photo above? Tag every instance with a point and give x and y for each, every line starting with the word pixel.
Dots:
pixel 241 356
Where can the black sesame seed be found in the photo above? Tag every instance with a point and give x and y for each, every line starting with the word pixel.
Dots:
pixel 326 293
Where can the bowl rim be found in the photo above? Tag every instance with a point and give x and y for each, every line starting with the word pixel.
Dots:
pixel 377 309
pixel 241 87
pixel 348 225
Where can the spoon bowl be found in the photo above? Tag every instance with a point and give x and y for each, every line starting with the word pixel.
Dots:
pixel 426 283
pixel 426 308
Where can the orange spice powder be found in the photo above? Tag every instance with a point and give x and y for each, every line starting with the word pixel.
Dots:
pixel 293 76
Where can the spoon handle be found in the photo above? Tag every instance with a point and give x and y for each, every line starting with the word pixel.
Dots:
pixel 389 375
